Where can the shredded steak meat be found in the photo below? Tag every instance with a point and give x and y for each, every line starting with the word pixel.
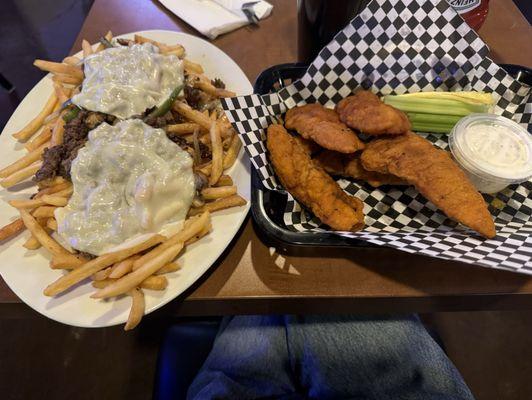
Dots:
pixel 57 160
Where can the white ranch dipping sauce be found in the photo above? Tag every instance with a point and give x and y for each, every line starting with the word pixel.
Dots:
pixel 129 180
pixel 125 81
pixel 494 151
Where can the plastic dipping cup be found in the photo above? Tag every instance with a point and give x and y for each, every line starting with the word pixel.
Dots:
pixel 493 151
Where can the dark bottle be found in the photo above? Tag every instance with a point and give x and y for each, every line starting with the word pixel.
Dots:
pixel 320 20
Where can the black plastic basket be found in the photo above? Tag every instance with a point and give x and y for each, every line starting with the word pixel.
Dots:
pixel 267 206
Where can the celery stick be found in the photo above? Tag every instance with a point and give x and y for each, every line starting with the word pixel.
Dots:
pixel 432 128
pixel 433 118
pixel 468 97
pixel 433 106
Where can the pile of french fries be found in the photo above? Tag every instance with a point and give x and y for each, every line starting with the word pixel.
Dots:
pixel 142 266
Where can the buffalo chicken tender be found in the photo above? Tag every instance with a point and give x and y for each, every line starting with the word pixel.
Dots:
pixel 322 125
pixel 350 166
pixel 365 112
pixel 310 184
pixel 434 174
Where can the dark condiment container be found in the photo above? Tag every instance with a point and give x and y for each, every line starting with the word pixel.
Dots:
pixel 320 20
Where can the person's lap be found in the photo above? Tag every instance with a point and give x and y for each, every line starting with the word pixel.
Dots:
pixel 326 357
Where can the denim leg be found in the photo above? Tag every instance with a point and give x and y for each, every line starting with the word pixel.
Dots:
pixel 379 358
pixel 249 360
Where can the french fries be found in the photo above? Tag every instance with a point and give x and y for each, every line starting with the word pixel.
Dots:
pixel 28 131
pixel 97 264
pixel 42 138
pixel 225 180
pixel 41 235
pixel 20 175
pixel 170 267
pixel 123 267
pixel 11 229
pixel 28 159
pixel 232 152
pixel 192 66
pixel 59 68
pixel 133 279
pixel 217 154
pixel 142 266
pixel 32 243
pixel 220 204
pixel 214 193
pixel 137 309
pixel 87 48
pixel 183 129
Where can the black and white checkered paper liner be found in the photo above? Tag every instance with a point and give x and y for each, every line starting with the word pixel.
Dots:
pixel 400 46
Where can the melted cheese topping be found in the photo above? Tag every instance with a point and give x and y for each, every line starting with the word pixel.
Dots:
pixel 129 180
pixel 125 81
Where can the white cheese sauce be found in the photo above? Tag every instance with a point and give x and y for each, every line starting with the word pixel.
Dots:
pixel 129 180
pixel 125 81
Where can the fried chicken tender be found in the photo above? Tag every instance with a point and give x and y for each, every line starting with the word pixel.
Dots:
pixel 310 185
pixel 434 174
pixel 322 125
pixel 350 166
pixel 365 112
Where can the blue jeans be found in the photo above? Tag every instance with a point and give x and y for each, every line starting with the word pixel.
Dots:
pixel 326 357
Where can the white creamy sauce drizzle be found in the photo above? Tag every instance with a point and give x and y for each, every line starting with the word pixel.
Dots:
pixel 125 81
pixel 129 180
pixel 496 147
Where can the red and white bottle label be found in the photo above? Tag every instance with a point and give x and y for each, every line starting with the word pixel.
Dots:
pixel 464 6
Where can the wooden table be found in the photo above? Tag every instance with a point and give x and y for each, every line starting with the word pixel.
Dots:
pixel 251 277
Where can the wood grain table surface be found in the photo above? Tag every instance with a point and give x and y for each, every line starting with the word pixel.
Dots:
pixel 251 277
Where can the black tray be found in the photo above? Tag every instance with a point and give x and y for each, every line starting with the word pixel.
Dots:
pixel 267 206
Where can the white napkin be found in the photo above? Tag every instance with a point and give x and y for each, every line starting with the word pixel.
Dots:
pixel 214 17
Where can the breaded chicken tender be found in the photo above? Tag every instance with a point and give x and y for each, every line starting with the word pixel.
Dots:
pixel 322 125
pixel 310 184
pixel 350 166
pixel 434 174
pixel 365 112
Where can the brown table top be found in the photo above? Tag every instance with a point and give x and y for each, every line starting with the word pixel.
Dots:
pixel 251 277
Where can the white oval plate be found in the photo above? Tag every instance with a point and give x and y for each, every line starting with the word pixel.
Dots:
pixel 27 272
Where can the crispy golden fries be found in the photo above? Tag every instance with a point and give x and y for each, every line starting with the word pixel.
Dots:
pixel 225 180
pixel 137 309
pixel 214 193
pixel 154 283
pixel 97 264
pixel 128 271
pixel 59 68
pixel 41 235
pixel 191 228
pixel 32 243
pixel 170 267
pixel 28 131
pixel 192 67
pixel 133 279
pixel 87 48
pixel 182 129
pixel 20 175
pixel 11 229
pixel 70 261
pixel 44 212
pixel 123 267
pixel 217 154
pixel 28 159
pixel 232 152
pixel 220 204
pixel 58 132
pixel 72 60
pixel 42 138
